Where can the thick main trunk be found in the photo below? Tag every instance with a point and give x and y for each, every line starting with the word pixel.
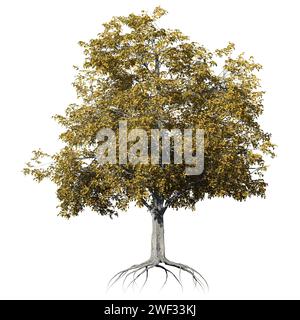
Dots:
pixel 158 238
pixel 157 254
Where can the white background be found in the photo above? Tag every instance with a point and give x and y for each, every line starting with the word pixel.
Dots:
pixel 245 250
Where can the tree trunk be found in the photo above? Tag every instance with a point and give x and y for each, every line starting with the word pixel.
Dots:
pixel 158 239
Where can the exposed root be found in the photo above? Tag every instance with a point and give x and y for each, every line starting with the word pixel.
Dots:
pixel 196 276
pixel 138 270
pixel 127 271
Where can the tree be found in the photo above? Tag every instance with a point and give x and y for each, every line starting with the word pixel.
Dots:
pixel 154 77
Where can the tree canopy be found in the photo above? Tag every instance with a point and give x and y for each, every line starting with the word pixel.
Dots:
pixel 154 77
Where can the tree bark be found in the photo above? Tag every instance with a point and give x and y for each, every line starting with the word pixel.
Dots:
pixel 157 210
pixel 158 238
